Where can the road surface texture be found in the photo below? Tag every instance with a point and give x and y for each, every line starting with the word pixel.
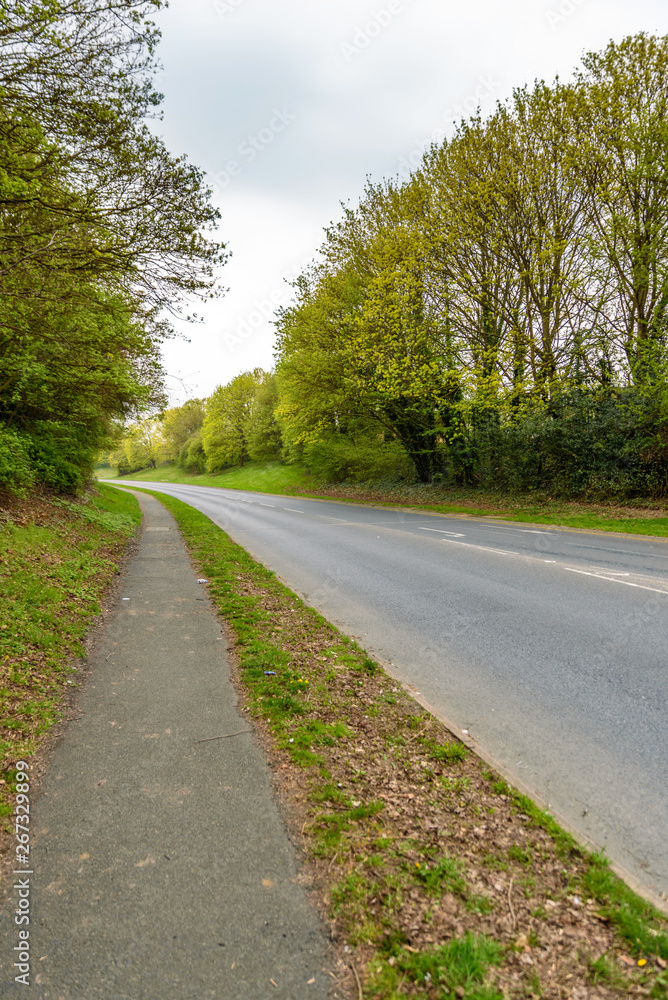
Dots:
pixel 162 869
pixel 548 646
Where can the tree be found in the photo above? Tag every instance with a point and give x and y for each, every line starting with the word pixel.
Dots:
pixel 101 230
pixel 317 392
pixel 180 424
pixel 503 313
pixel 98 190
pixel 622 124
pixel 264 431
pixel 226 426
pixel 144 444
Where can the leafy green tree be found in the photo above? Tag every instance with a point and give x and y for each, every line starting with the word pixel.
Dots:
pixel 226 427
pixel 317 392
pixel 100 228
pixel 622 125
pixel 144 444
pixel 264 431
pixel 180 424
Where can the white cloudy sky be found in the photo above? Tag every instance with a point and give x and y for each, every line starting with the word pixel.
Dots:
pixel 289 105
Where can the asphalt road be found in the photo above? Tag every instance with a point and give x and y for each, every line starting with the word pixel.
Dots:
pixel 547 646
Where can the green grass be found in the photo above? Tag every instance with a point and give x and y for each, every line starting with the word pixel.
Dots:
pixel 56 560
pixel 263 477
pixel 637 921
pixel 455 970
pixel 589 522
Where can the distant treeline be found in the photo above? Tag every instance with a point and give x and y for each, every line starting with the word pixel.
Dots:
pixel 100 232
pixel 234 425
pixel 499 319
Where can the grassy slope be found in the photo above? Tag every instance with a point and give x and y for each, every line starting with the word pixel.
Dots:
pixel 412 840
pixel 56 560
pixel 265 477
pixel 272 477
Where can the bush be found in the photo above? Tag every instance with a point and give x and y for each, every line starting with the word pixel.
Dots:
pixel 585 443
pixel 192 457
pixel 343 459
pixel 17 474
pixel 63 455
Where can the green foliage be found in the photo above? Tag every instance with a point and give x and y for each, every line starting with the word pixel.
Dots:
pixel 228 422
pixel 16 469
pixel 192 457
pixel 456 969
pixel 264 432
pixel 342 458
pixel 443 876
pixel 180 427
pixel 503 315
pixel 100 229
pixel 451 752
pixel 635 919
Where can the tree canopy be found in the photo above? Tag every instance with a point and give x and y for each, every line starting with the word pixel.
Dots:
pixel 102 232
pixel 502 314
pixel 499 318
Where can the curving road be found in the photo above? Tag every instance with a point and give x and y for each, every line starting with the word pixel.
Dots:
pixel 548 646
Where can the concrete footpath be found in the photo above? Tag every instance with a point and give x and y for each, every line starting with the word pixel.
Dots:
pixel 162 868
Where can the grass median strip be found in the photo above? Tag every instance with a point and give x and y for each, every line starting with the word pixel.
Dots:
pixel 57 557
pixel 438 878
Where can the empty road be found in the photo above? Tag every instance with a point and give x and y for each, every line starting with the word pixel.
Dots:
pixel 548 646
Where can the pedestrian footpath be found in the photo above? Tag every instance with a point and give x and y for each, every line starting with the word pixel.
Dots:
pixel 162 867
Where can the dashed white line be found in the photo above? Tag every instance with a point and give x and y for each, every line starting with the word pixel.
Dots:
pixel 442 531
pixel 267 505
pixel 481 548
pixel 626 583
pixel 292 509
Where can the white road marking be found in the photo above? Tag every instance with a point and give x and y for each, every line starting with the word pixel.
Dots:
pixel 612 577
pixel 626 583
pixel 483 548
pixel 293 510
pixel 267 505
pixel 442 531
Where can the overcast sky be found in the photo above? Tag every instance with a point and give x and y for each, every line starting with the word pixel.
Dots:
pixel 289 104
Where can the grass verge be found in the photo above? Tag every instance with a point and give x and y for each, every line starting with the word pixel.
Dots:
pixel 438 878
pixel 265 477
pixel 57 558
pixel 525 510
